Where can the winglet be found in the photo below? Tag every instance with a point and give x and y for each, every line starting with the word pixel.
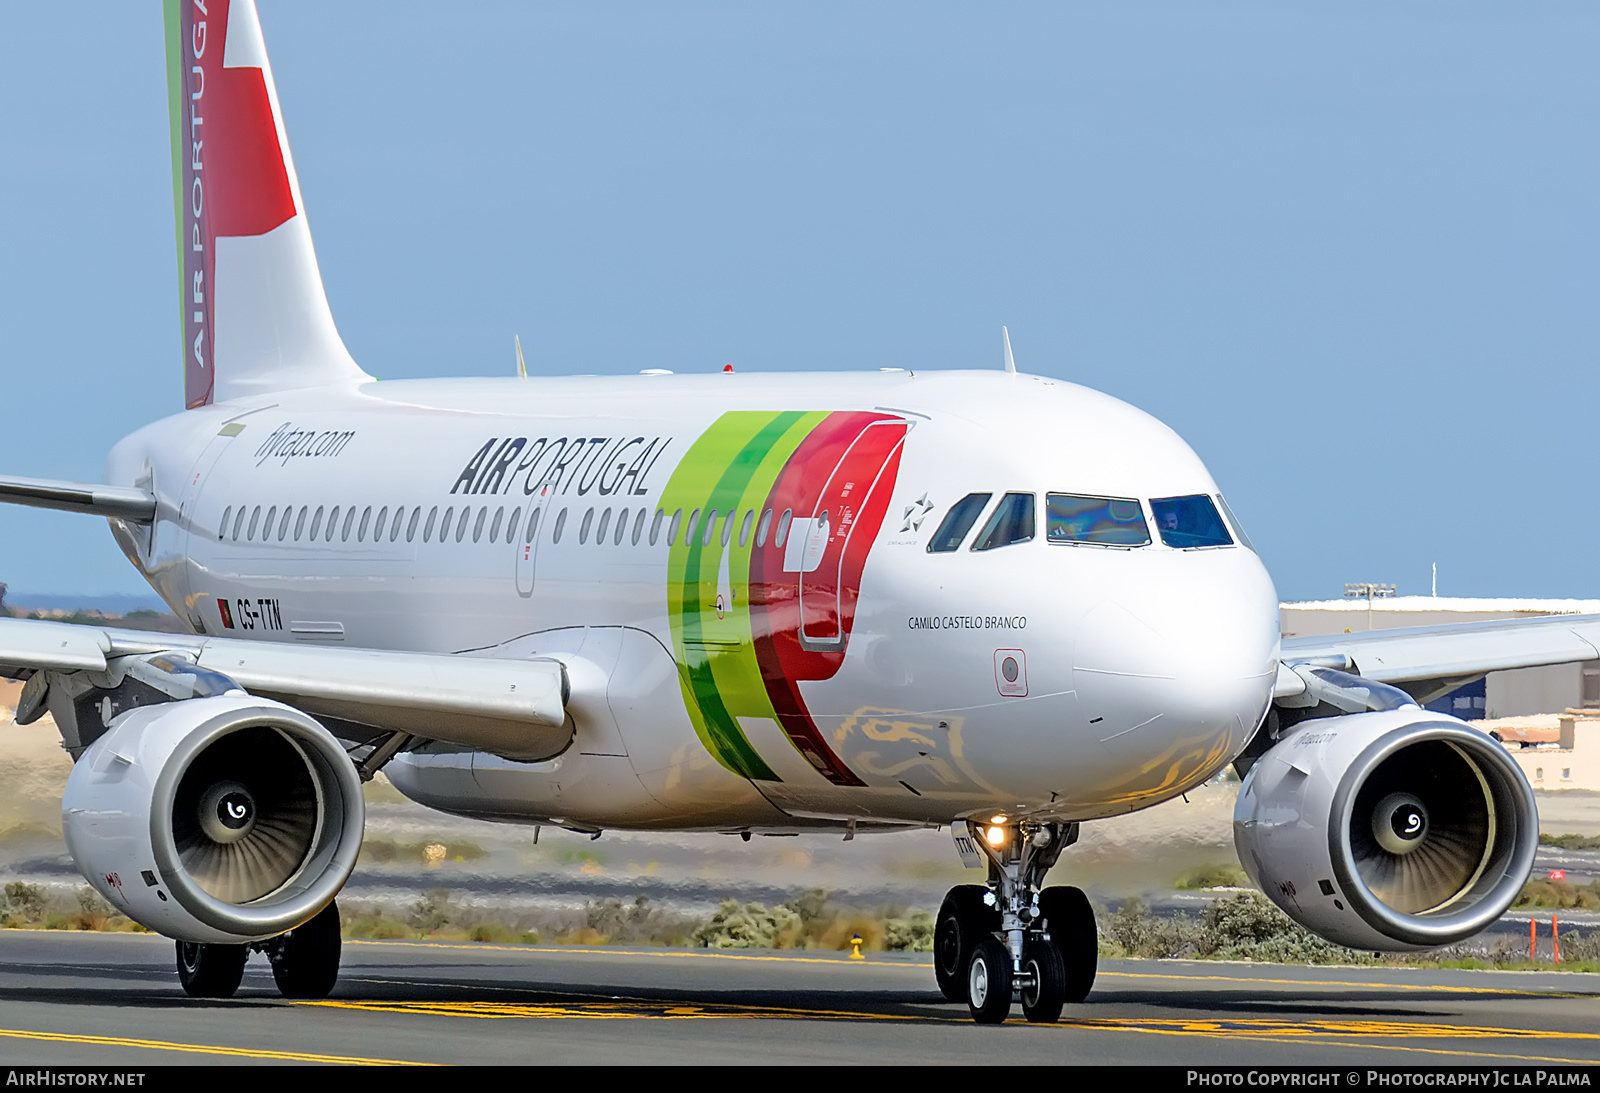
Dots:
pixel 1005 338
pixel 522 367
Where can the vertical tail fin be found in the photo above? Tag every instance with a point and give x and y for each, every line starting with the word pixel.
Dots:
pixel 255 318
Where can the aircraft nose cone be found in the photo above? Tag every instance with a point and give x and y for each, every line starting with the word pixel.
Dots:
pixel 1174 671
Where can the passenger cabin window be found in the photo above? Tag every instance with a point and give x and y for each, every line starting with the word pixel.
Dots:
pixel 227 514
pixel 1012 522
pixel 1098 521
pixel 1189 522
pixel 561 524
pixel 956 523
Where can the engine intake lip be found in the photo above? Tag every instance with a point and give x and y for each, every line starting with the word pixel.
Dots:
pixel 1509 859
pixel 331 858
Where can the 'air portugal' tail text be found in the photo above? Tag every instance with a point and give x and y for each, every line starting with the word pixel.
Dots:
pixel 254 315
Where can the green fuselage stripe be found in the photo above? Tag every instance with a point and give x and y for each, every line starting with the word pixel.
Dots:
pixel 731 469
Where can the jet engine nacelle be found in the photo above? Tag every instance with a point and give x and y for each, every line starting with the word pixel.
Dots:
pixel 1395 830
pixel 217 820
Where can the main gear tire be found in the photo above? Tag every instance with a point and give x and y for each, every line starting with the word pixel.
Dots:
pixel 963 919
pixel 305 961
pixel 210 971
pixel 1043 998
pixel 989 982
pixel 1069 919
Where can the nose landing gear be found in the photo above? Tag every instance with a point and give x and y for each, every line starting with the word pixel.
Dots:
pixel 1013 938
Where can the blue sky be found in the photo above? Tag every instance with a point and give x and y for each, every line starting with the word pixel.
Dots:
pixel 1348 251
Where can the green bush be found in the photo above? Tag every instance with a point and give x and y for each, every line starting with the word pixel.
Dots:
pixel 25 905
pixel 1571 842
pixel 1250 927
pixel 751 926
pixel 432 912
pixel 1220 875
pixel 1136 932
pixel 914 934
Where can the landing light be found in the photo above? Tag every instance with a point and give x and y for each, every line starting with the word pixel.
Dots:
pixel 997 819
pixel 996 836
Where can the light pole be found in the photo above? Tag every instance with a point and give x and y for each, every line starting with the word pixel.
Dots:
pixel 1368 590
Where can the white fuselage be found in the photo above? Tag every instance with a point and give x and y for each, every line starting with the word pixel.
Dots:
pixel 1140 672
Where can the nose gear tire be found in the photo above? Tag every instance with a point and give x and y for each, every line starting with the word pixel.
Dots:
pixel 989 982
pixel 1069 920
pixel 305 961
pixel 1042 1000
pixel 963 918
pixel 210 971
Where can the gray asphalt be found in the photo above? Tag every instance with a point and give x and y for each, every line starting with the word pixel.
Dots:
pixel 113 1000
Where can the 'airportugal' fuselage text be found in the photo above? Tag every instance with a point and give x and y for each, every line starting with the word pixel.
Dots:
pixel 767 616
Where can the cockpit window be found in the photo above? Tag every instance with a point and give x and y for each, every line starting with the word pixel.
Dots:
pixel 957 522
pixel 1186 522
pixel 1012 522
pixel 1233 522
pixel 1103 521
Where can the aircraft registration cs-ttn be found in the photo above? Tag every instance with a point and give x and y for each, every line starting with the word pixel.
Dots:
pixel 752 604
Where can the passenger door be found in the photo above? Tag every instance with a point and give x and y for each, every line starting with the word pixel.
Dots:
pixel 527 542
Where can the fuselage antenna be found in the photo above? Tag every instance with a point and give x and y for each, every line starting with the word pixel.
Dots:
pixel 1005 339
pixel 522 366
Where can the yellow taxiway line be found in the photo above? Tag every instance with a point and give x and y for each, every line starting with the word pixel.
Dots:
pixel 201 1049
pixel 1326 1033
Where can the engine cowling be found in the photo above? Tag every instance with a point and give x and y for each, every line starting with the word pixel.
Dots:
pixel 1395 830
pixel 218 820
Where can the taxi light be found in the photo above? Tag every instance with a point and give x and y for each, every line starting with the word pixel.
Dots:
pixel 996 836
pixel 997 819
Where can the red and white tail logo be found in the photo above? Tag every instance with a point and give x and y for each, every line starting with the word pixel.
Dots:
pixel 255 317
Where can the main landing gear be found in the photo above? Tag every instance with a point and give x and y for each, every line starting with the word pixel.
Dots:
pixel 1012 939
pixel 305 961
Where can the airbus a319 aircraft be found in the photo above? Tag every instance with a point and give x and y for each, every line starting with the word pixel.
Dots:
pixel 750 604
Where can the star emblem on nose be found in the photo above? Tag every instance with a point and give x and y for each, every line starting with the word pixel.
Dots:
pixel 915 513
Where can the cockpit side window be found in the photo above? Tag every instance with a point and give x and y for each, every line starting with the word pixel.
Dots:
pixel 1233 522
pixel 1098 521
pixel 1012 522
pixel 1187 522
pixel 957 522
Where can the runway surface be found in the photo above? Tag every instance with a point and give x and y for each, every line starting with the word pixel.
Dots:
pixel 114 1000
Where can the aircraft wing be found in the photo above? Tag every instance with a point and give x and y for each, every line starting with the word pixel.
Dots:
pixel 474 701
pixel 1429 661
